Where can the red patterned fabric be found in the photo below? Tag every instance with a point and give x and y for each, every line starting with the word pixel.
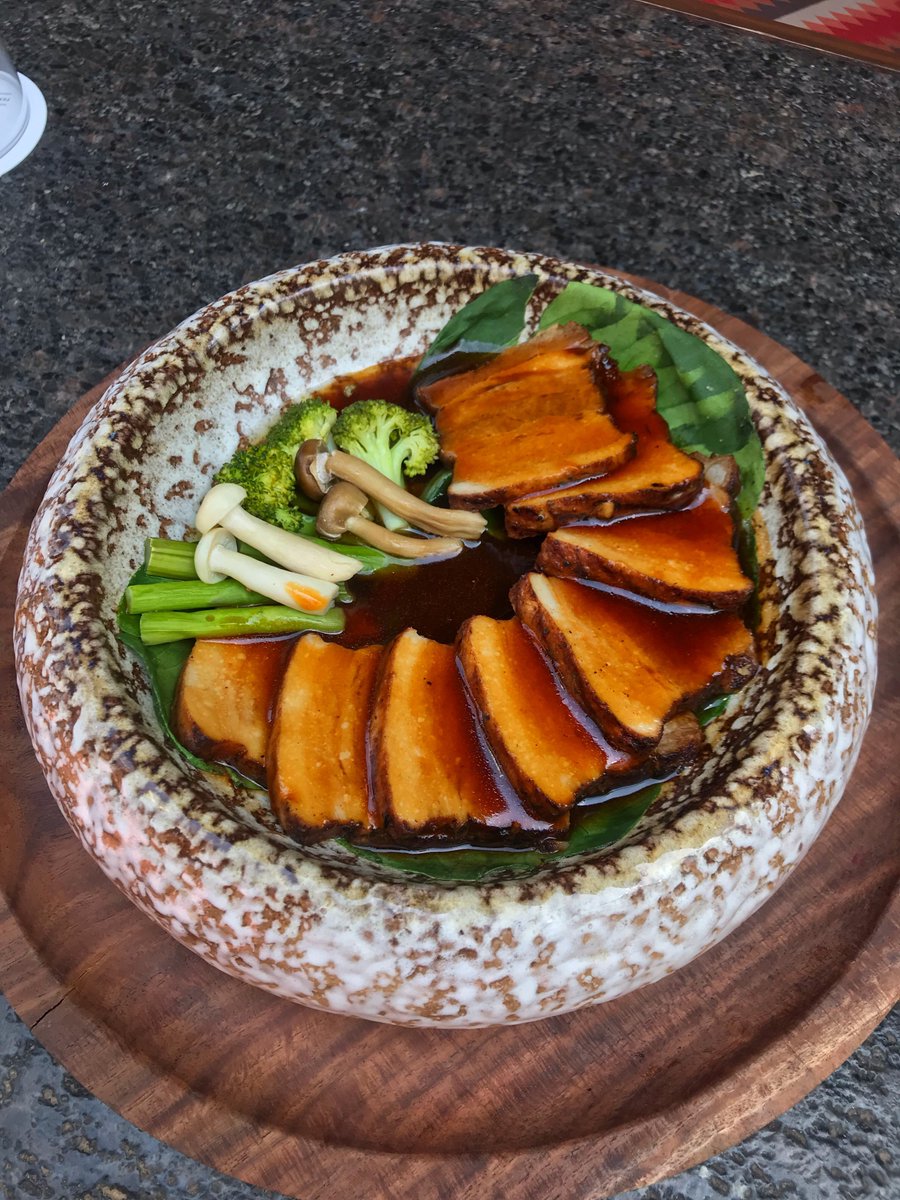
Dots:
pixel 864 23
pixel 870 22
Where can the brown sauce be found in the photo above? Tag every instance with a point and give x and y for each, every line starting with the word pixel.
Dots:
pixel 385 381
pixel 436 598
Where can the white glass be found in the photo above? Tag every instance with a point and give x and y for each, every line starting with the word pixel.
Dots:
pixel 13 104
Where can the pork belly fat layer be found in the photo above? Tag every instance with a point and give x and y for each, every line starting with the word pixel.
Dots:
pixel 628 665
pixel 678 557
pixel 317 772
pixel 658 476
pixel 224 701
pixel 545 752
pixel 429 775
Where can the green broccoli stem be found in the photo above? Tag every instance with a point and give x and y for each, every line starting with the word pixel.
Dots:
pixel 160 627
pixel 179 595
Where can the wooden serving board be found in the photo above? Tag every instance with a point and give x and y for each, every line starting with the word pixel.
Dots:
pixel 316 1106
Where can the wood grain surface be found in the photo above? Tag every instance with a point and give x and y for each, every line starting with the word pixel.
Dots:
pixel 315 1106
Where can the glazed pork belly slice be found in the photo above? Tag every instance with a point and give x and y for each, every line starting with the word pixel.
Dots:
pixel 223 705
pixel 548 755
pixel 547 751
pixel 628 665
pixel 659 475
pixel 429 775
pixel 536 455
pixel 530 418
pixel 678 557
pixel 318 779
pixel 565 352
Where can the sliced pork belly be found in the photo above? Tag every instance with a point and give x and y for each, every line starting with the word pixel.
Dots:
pixel 547 754
pixel 530 418
pixel 680 557
pixel 658 476
pixel 539 454
pixel 317 754
pixel 567 352
pixel 224 701
pixel 429 775
pixel 628 665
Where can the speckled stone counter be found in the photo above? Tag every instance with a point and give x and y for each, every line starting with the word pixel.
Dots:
pixel 194 146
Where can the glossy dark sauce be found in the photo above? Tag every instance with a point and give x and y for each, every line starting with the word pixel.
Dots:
pixel 385 381
pixel 436 598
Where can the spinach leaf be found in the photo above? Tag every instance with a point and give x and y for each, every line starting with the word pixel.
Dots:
pixel 599 825
pixel 486 325
pixel 699 395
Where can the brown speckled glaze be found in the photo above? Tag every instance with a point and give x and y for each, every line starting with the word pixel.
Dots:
pixel 318 926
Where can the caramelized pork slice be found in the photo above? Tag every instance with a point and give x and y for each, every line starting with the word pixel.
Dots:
pixel 224 701
pixel 529 419
pixel 547 754
pixel 566 351
pixel 659 476
pixel 499 411
pixel 429 774
pixel 317 753
pixel 628 665
pixel 680 557
pixel 536 455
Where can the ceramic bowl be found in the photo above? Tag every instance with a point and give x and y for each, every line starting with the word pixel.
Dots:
pixel 319 926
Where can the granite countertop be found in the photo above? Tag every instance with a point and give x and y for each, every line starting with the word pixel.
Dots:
pixel 192 147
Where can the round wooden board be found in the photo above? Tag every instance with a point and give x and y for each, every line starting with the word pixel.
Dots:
pixel 620 1095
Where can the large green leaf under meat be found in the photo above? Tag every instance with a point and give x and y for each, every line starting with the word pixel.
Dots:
pixel 699 394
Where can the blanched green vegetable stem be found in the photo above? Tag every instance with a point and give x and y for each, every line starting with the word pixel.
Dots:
pixel 159 627
pixel 179 595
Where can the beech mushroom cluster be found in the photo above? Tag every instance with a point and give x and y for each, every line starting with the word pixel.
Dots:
pixel 309 584
pixel 344 485
pixel 307 574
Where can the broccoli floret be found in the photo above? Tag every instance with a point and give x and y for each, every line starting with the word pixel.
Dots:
pixel 311 418
pixel 266 470
pixel 391 439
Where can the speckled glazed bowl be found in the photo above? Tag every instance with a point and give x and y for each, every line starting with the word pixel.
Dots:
pixel 319 926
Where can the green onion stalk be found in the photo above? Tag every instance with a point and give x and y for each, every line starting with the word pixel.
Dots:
pixel 264 621
pixel 181 595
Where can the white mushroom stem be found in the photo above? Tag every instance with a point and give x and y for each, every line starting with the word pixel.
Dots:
pixel 217 558
pixel 222 506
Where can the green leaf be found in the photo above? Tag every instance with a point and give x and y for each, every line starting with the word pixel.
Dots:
pixel 599 825
pixel 486 325
pixel 436 487
pixel 700 396
pixel 163 665
pixel 708 712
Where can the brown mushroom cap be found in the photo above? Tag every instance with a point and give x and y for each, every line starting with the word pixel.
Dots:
pixel 342 503
pixel 309 480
